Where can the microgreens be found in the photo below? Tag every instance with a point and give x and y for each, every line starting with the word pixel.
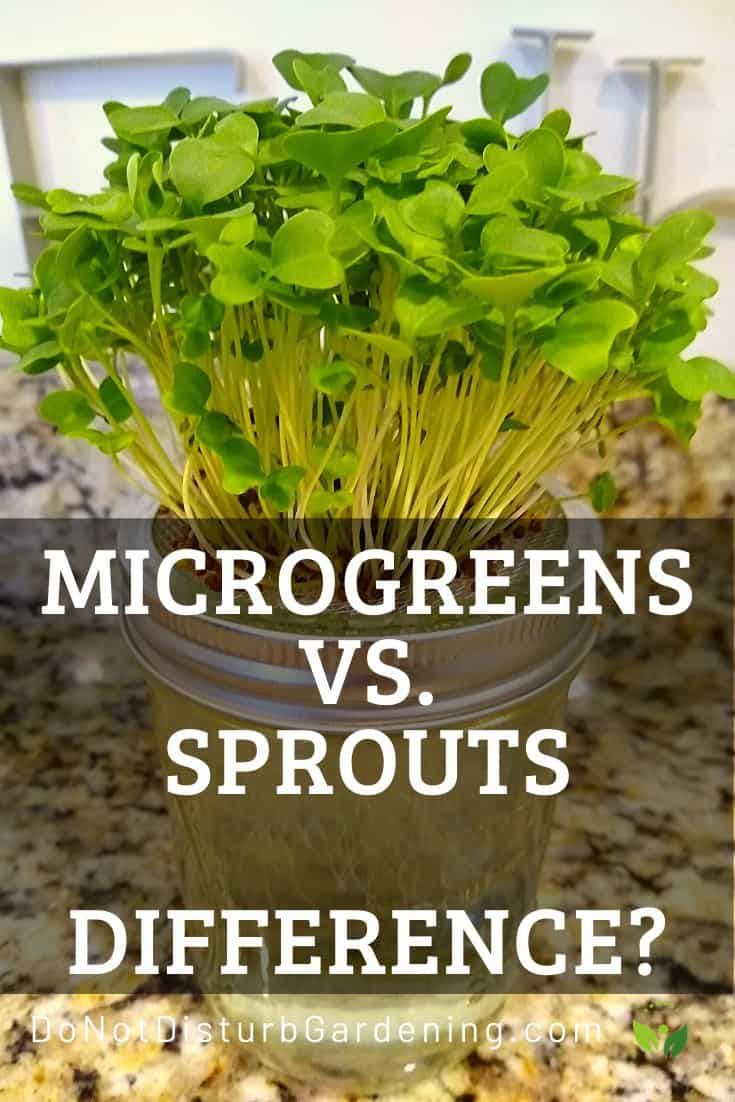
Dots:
pixel 362 308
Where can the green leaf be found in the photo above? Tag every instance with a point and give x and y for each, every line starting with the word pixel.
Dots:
pixel 238 278
pixel 240 230
pixel 530 319
pixel 676 1042
pixel 112 205
pixel 673 411
pixel 602 492
pixel 340 315
pixel 424 309
pixel 498 85
pixel 512 424
pixel 241 465
pixel 300 252
pixel 454 360
pixel 438 211
pixel 196 343
pixel 89 261
pixel 114 400
pixel 79 332
pixel 397 90
pixel 491 364
pixel 558 120
pixel 507 292
pixel 594 228
pixel 177 99
pixel 18 313
pixel 456 68
pixel 333 377
pixel 479 133
pixel 233 227
pixel 350 109
pixel 688 280
pixel 668 331
pixel 415 246
pixel 322 502
pixel 645 1037
pixel 317 82
pixel 205 169
pixel 57 226
pixel 334 154
pixel 58 294
pixel 580 165
pixel 504 95
pixel 453 159
pixel 293 298
pixel 136 122
pixel 494 194
pixel 109 443
pixel 414 137
pixel 278 489
pixel 190 391
pixel 694 378
pixel 675 241
pixel 201 312
pixel 201 107
pixel 215 429
pixel 263 107
pixel 41 358
pixel 584 337
pixel 238 130
pixel 145 185
pixel 508 237
pixel 617 272
pixel 284 63
pixel 253 350
pixel 591 189
pixel 341 464
pixel 544 157
pixel 30 194
pixel 318 196
pixel 576 280
pixel 68 410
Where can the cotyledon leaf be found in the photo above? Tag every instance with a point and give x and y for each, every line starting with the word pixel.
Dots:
pixel 583 338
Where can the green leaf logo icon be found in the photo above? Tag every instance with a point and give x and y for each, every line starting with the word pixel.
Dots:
pixel 646 1038
pixel 650 1039
pixel 676 1042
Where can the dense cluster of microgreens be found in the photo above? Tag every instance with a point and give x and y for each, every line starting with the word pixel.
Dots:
pixel 362 309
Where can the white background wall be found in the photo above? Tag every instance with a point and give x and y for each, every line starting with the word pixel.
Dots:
pixel 697 131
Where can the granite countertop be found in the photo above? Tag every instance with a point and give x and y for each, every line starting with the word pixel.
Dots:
pixel 44 476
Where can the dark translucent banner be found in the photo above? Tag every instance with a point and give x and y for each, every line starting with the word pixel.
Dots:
pixel 463 795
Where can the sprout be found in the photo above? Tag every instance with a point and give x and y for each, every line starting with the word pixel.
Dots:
pixel 363 309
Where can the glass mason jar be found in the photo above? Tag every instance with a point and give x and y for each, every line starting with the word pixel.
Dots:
pixel 393 850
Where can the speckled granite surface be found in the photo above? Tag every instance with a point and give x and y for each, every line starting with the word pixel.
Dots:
pixel 41 476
